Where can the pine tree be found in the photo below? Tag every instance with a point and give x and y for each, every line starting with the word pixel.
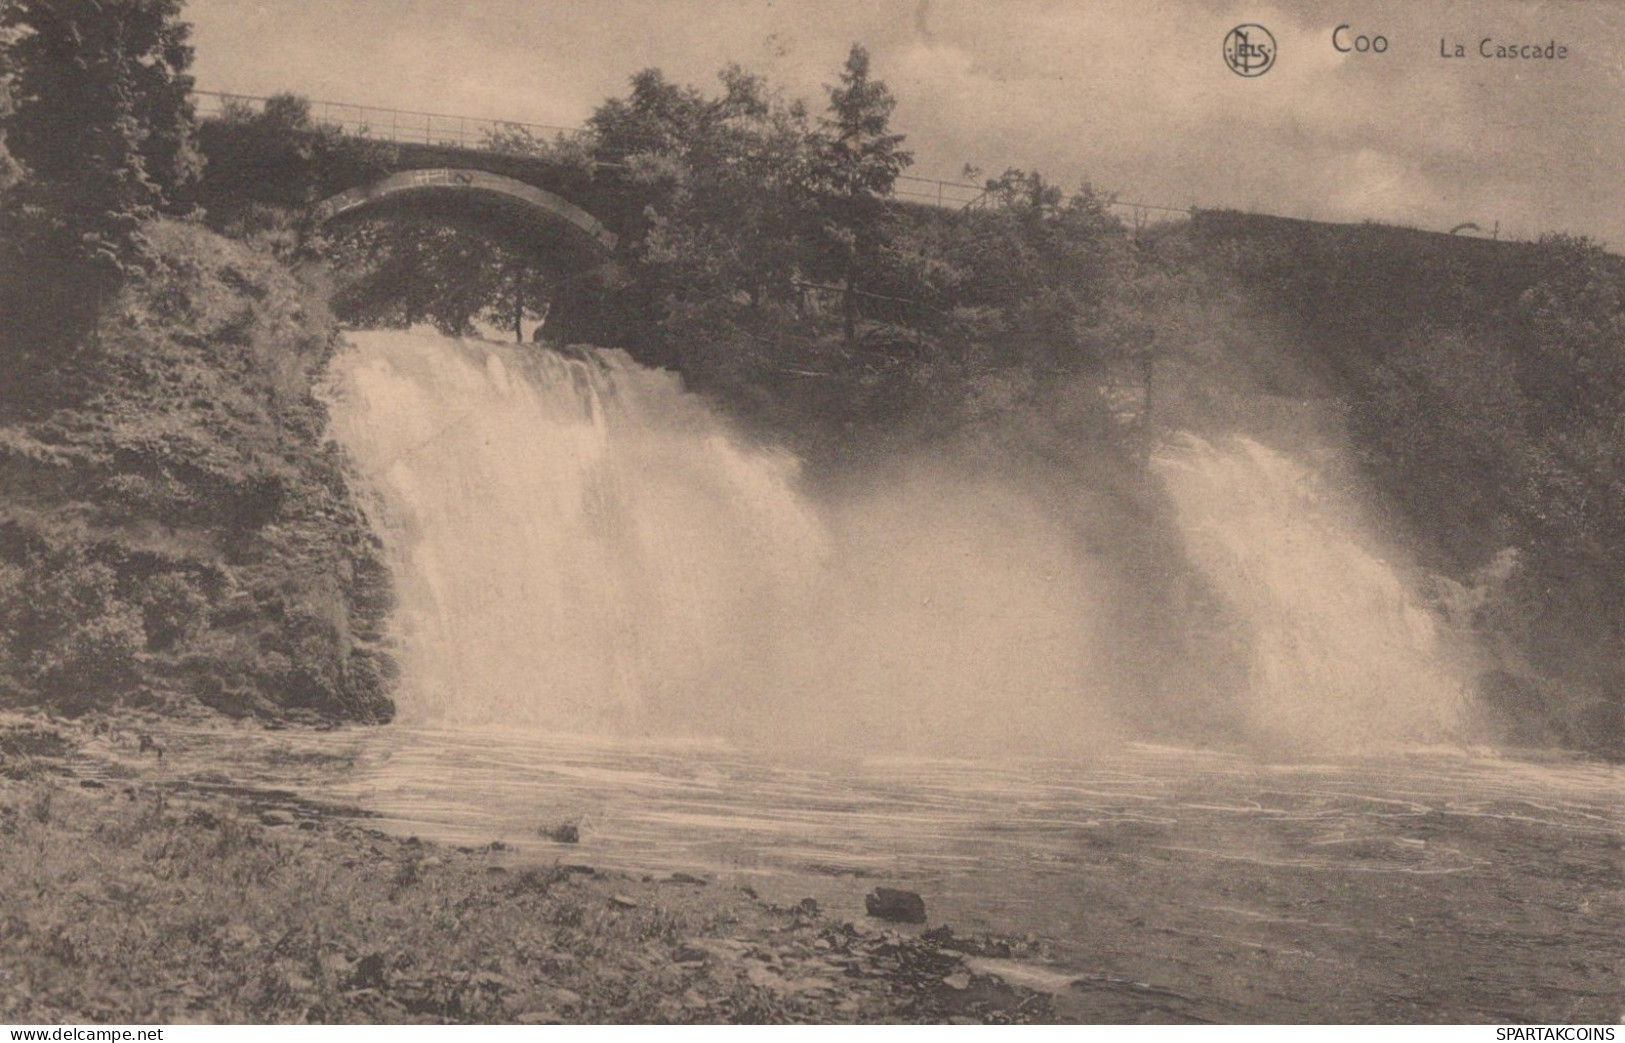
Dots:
pixel 862 157
pixel 858 165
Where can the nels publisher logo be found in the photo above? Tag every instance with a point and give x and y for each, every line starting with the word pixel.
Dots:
pixel 1249 50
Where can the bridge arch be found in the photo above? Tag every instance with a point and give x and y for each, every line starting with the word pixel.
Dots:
pixel 474 182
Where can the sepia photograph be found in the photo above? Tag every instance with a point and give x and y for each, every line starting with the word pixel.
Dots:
pixel 811 512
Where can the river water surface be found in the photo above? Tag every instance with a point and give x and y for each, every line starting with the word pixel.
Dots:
pixel 1162 883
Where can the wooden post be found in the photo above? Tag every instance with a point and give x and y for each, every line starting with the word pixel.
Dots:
pixel 849 310
pixel 1150 363
pixel 518 304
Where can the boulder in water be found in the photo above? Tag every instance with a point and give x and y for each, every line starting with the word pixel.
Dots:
pixel 898 906
pixel 567 833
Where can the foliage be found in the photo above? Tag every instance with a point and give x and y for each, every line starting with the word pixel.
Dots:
pixel 764 257
pixel 50 294
pixel 101 117
pixel 1574 317
pixel 271 159
pixel 860 157
pixel 64 629
pixel 1047 266
pixel 408 272
pixel 856 162
pixel 96 121
pixel 721 184
pixel 1446 422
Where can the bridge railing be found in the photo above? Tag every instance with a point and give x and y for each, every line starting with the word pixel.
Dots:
pixel 413 127
pixel 954 195
pixel 405 126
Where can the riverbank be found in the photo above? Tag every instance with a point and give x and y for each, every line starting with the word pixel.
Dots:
pixel 169 868
pixel 135 894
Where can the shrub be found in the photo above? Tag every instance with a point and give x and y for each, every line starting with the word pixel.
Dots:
pixel 173 608
pixel 71 640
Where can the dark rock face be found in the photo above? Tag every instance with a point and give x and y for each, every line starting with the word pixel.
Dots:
pixel 898 906
pixel 175 525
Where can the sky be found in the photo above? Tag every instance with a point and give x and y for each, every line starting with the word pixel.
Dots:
pixel 1134 97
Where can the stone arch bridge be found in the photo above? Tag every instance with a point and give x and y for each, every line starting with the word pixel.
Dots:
pixel 474 184
pixel 448 164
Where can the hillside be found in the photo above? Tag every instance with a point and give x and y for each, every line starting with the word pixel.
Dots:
pixel 175 526
pixel 1478 386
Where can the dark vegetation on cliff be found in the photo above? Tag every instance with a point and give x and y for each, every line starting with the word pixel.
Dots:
pixel 174 525
pixel 181 526
pixel 1482 386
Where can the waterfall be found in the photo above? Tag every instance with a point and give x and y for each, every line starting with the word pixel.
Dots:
pixel 1342 652
pixel 580 545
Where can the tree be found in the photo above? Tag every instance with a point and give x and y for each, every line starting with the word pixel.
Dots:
pixel 731 224
pixel 714 202
pixel 267 165
pixel 1574 318
pixel 857 165
pixel 102 120
pixel 401 273
pixel 1056 275
pixel 645 136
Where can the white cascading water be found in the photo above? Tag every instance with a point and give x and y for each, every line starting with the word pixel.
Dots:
pixel 1342 653
pixel 564 557
pixel 581 546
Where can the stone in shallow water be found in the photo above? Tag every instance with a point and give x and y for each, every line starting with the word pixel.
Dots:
pixel 899 906
pixel 567 833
